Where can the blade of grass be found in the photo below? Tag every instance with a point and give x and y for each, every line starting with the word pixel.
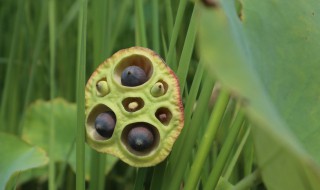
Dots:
pixel 155 26
pixel 190 102
pixel 100 36
pixel 248 157
pixel 207 139
pixel 52 48
pixel 164 44
pixel 169 17
pixel 119 23
pixel 141 37
pixel 68 18
pixel 188 48
pixel 63 167
pixel 81 70
pixel 36 54
pixel 175 170
pixel 225 152
pixel 10 67
pixel 248 181
pixel 175 33
pixel 235 157
pixel 140 178
pixel 158 174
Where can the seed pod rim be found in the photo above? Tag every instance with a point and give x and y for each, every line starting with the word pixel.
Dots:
pixel 166 134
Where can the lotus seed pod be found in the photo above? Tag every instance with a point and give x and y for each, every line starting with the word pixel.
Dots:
pixel 144 95
pixel 133 76
pixel 102 88
pixel 157 89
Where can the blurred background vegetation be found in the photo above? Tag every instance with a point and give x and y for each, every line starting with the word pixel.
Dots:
pixel 249 77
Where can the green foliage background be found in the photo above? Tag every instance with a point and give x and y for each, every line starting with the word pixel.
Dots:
pixel 248 71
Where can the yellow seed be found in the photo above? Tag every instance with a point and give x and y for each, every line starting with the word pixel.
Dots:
pixel 157 89
pixel 102 88
pixel 133 106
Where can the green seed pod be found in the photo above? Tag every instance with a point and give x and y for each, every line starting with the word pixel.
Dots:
pixel 149 114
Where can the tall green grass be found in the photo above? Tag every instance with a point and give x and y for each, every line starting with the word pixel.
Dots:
pixel 50 48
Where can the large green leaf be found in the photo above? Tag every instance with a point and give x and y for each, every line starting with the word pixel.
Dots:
pixel 16 156
pixel 36 131
pixel 269 60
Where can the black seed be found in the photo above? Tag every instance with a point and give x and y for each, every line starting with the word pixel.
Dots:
pixel 105 123
pixel 133 76
pixel 140 138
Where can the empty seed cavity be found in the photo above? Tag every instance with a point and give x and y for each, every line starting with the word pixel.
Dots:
pixel 101 122
pixel 134 70
pixel 140 138
pixel 164 115
pixel 132 104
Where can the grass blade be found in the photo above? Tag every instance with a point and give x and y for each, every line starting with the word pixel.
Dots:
pixel 52 47
pixel 248 181
pixel 235 157
pixel 190 102
pixel 141 37
pixel 175 32
pixel 225 152
pixel 140 178
pixel 207 139
pixel 81 70
pixel 175 172
pixel 158 174
pixel 10 68
pixel 155 26
pixel 188 48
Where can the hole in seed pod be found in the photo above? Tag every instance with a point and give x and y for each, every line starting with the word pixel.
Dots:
pixel 132 104
pixel 140 138
pixel 101 122
pixel 134 70
pixel 102 87
pixel 159 88
pixel 164 115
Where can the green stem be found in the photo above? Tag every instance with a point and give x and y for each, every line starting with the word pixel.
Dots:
pixel 188 48
pixel 38 45
pixel 52 34
pixel 248 181
pixel 176 168
pixel 155 26
pixel 175 33
pixel 190 102
pixel 81 70
pixel 158 174
pixel 225 152
pixel 140 178
pixel 10 68
pixel 235 158
pixel 207 139
pixel 141 37
pixel 169 17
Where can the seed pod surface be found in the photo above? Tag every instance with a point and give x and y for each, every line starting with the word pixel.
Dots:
pixel 144 95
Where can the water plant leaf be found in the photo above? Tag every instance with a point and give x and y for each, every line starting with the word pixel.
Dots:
pixel 263 60
pixel 16 156
pixel 36 131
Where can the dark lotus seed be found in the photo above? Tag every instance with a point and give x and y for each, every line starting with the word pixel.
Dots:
pixel 133 76
pixel 105 123
pixel 140 139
